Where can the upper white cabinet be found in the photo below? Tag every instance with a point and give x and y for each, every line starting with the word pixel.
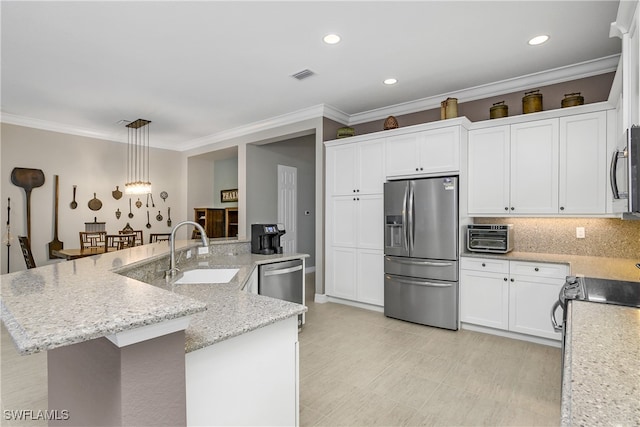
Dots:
pixel 554 166
pixel 534 167
pixel 356 168
pixel 583 164
pixel 426 152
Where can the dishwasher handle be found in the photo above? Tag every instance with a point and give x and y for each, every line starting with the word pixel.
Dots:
pixel 282 271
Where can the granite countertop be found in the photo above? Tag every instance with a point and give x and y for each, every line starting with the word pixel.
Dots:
pixel 74 301
pixel 230 311
pixel 590 266
pixel 601 377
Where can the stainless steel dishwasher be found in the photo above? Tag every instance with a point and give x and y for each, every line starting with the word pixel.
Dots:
pixel 283 280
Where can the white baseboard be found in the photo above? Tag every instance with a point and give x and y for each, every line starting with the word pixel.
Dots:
pixel 356 304
pixel 321 298
pixel 513 335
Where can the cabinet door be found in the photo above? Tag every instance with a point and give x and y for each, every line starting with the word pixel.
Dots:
pixel 341 169
pixel 341 272
pixel 534 167
pixel 530 302
pixel 439 150
pixel 484 298
pixel 370 288
pixel 488 168
pixel 342 224
pixel 401 154
pixel 370 162
pixel 369 222
pixel 583 164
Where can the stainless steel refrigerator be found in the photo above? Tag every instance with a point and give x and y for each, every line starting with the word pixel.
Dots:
pixel 421 251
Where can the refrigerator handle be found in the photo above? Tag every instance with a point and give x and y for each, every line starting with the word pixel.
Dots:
pixel 405 223
pixel 411 228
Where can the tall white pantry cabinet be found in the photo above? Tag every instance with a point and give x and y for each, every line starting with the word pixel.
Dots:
pixel 355 246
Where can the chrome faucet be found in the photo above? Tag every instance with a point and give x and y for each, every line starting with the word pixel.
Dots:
pixel 172 242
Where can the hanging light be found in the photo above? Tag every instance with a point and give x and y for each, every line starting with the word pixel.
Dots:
pixel 138 158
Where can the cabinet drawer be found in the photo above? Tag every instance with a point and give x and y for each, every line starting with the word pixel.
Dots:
pixel 559 271
pixel 485 264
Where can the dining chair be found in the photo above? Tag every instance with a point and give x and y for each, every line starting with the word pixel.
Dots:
pixel 139 239
pixel 120 241
pixel 26 251
pixel 159 237
pixel 92 239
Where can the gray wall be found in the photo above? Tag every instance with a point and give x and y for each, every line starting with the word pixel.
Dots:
pixel 262 186
pixel 225 177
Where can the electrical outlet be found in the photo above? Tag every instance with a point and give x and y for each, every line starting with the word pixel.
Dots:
pixel 580 232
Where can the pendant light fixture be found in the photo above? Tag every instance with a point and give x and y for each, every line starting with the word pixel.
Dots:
pixel 138 158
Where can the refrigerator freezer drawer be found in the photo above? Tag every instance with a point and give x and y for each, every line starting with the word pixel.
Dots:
pixel 428 302
pixel 422 268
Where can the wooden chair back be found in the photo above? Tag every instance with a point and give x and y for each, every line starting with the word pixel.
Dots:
pixel 92 239
pixel 139 239
pixel 120 241
pixel 26 251
pixel 159 237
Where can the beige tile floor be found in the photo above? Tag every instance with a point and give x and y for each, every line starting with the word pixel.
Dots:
pixel 359 368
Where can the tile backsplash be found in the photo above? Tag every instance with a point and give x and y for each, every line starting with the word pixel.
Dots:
pixel 603 236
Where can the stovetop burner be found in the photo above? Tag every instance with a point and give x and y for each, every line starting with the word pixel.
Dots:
pixel 606 291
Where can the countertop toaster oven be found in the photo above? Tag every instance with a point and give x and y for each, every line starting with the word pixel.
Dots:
pixel 496 238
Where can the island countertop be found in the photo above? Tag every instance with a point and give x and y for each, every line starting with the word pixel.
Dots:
pixel 79 300
pixel 601 377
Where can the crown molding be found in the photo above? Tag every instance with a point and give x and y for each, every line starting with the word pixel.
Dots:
pixel 549 77
pixel 29 122
pixel 314 112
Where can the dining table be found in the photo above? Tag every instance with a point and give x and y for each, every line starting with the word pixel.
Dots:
pixel 76 253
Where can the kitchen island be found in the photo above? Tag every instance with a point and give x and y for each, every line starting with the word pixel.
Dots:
pixel 81 301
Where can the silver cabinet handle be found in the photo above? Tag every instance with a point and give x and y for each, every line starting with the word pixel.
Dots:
pixel 419 282
pixel 554 322
pixel 410 262
pixel 282 271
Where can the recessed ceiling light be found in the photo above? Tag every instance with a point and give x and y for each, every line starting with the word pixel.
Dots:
pixel 331 39
pixel 538 40
pixel 390 81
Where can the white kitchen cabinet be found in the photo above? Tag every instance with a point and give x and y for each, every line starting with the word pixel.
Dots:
pixel 489 171
pixel 543 167
pixel 356 168
pixel 354 227
pixel 583 165
pixel 484 292
pixel 534 167
pixel 425 152
pixel 513 296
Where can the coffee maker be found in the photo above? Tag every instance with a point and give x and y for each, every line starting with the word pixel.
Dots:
pixel 265 239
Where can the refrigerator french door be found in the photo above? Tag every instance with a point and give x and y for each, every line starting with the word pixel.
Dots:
pixel 421 251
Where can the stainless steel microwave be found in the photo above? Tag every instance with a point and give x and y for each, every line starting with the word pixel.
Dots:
pixel 625 175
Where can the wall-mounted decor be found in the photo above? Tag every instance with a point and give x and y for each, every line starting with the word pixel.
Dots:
pixel 229 195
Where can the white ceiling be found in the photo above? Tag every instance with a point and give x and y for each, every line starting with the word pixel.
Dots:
pixel 197 69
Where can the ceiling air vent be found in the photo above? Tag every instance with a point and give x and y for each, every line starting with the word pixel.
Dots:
pixel 301 75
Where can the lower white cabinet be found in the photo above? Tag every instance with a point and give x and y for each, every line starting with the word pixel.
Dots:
pixel 356 274
pixel 514 296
